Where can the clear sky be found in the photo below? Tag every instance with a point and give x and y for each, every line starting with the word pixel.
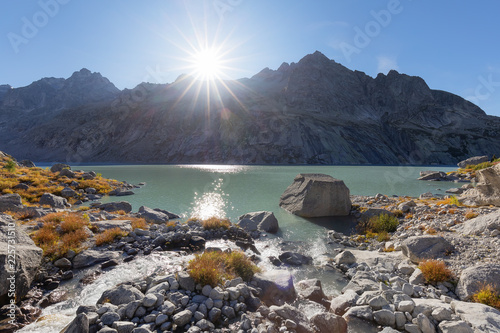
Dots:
pixel 453 45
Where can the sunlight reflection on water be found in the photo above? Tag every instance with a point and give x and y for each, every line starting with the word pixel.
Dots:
pixel 212 203
pixel 215 167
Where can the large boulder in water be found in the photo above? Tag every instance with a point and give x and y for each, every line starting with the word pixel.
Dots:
pixel 487 190
pixel 16 275
pixel 316 195
pixel 265 221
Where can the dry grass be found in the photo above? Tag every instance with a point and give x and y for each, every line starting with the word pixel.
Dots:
pixel 213 267
pixel 108 236
pixel 73 222
pixel 138 223
pixel 435 271
pixel 431 231
pixel 214 223
pixel 488 295
pixel 470 214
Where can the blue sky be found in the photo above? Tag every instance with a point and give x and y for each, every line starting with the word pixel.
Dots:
pixel 452 45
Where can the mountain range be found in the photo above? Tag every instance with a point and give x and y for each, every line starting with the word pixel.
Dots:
pixel 315 111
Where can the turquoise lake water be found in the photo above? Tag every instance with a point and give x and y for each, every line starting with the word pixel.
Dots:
pixel 230 191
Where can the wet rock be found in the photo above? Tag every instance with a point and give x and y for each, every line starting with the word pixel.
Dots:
pixel 312 290
pixel 295 259
pixel 277 287
pixel 265 221
pixel 123 294
pixel 80 325
pixel 289 312
pixel 328 322
pixel 316 195
pixel 91 257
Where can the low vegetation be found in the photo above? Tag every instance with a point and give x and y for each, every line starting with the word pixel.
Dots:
pixel 471 214
pixel 488 295
pixel 108 236
pixel 435 271
pixel 213 267
pixel 60 233
pixel 214 223
pixel 138 223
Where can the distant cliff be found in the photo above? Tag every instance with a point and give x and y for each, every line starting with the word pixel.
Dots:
pixel 314 112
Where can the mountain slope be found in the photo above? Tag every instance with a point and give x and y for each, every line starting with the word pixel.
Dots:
pixel 315 111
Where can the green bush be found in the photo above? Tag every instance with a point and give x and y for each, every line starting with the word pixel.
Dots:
pixel 10 166
pixel 383 222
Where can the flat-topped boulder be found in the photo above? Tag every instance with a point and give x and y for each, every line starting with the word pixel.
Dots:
pixel 473 161
pixel 316 195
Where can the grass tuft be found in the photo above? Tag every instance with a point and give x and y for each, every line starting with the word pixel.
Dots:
pixel 108 236
pixel 138 223
pixel 470 214
pixel 435 271
pixel 488 295
pixel 214 223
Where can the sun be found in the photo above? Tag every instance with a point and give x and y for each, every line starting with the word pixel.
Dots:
pixel 207 64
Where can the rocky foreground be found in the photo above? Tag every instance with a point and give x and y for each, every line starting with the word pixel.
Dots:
pixel 385 288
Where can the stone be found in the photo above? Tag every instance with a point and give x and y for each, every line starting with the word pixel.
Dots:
pixel 277 287
pixel 28 258
pixel 406 306
pixel 205 325
pixel 92 257
pixel 11 202
pixel 149 300
pixel 433 175
pixel 124 225
pixel 340 304
pixel 228 312
pixel 63 263
pixel 454 327
pixel 473 161
pixel 417 277
pixel 182 318
pixel 214 315
pixel 441 314
pixel 483 224
pixel 474 278
pixel 123 326
pixel 362 281
pixel 266 221
pixel 109 318
pixel 363 312
pixel 216 294
pixel 67 173
pixel 27 164
pixel 316 195
pixel 248 225
pixel 295 259
pixel 418 248
pixel 289 312
pixel 152 216
pixel 312 290
pixel 481 317
pixel 122 294
pixel 141 330
pixel 78 325
pixel 345 258
pixel 53 201
pixel 116 206
pixel 185 281
pixel 131 307
pixel 425 325
pixel 329 322
pixel 378 302
pixel 384 317
pixel 487 190
pixel 400 319
pixel 59 167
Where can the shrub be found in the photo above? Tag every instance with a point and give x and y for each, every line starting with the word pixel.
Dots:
pixel 108 236
pixel 46 235
pixel 487 295
pixel 213 267
pixel 10 166
pixel 435 271
pixel 455 201
pixel 383 236
pixel 383 222
pixel 215 223
pixel 398 213
pixel 72 222
pixel 470 214
pixel 138 223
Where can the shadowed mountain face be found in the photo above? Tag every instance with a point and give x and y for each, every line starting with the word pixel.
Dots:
pixel 315 111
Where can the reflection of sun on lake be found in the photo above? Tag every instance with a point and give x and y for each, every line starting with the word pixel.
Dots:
pixel 216 168
pixel 212 203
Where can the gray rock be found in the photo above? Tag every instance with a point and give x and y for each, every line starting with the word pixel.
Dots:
pixel 362 281
pixel 67 173
pixel 91 257
pixel 474 278
pixel 59 167
pixel 123 326
pixel 182 318
pixel 124 225
pixel 266 221
pixel 205 325
pixel 216 294
pixel 412 328
pixel 27 164
pixel 487 190
pixel 481 317
pixel 378 302
pixel 109 318
pixel 406 306
pixel 295 259
pixel 186 281
pixel 454 327
pixel 63 263
pixel 425 325
pixel 329 322
pixel 441 314
pixel 483 224
pixel 418 248
pixel 228 312
pixel 417 277
pixel 248 224
pixel 28 257
pixel 312 290
pixel 122 294
pixel 289 312
pixel 162 318
pixel 11 202
pixel 149 300
pixel 340 304
pixel 131 307
pixel 214 315
pixel 345 258
pixel 116 206
pixel 433 175
pixel 277 287
pixel 53 201
pixel 400 319
pixel 473 161
pixel 78 325
pixel 152 216
pixel 316 195
pixel 141 330
pixel 384 317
